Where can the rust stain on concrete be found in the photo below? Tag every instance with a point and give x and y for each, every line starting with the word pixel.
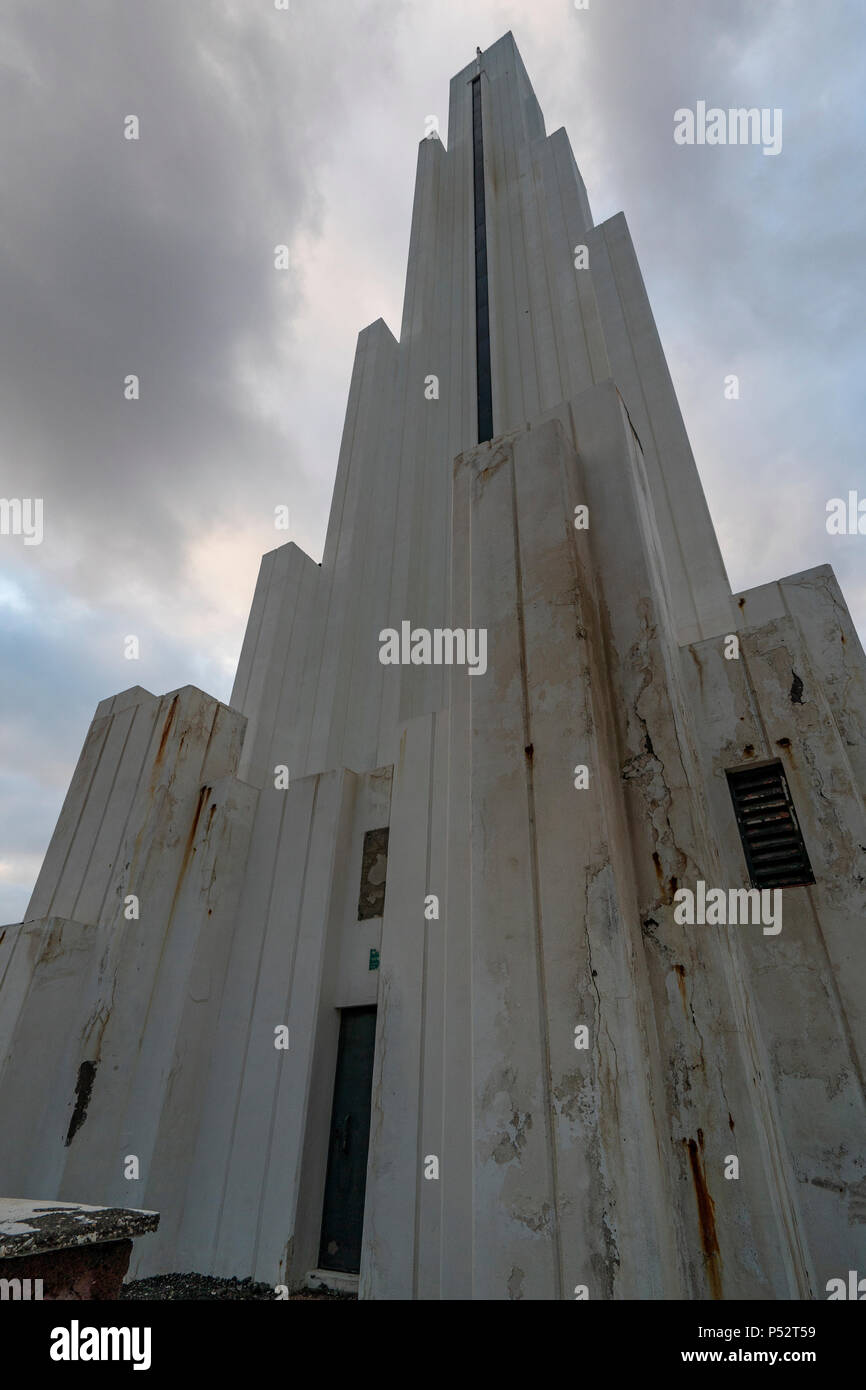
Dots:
pixel 658 868
pixel 501 456
pixel 706 1215
pixel 189 849
pixel 166 730
pixel 52 947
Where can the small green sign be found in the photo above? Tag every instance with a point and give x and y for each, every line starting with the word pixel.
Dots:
pixel 374 960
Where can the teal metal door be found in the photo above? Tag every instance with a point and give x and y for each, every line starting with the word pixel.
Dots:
pixel 343 1211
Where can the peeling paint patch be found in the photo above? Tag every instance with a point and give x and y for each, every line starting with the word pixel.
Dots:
pixel 514 1139
pixel 567 1096
pixel 857 1203
pixel 515 1282
pixel 83 1089
pixel 611 1249
pixel 374 869
pixel 535 1220
pixel 796 690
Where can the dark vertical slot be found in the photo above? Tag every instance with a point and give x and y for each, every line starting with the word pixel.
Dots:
pixel 482 317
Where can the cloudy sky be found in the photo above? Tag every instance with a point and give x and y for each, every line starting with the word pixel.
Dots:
pixel 261 126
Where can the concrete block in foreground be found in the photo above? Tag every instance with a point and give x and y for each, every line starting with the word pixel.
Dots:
pixel 65 1250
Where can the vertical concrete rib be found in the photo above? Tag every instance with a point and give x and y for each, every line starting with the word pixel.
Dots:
pixel 544 1016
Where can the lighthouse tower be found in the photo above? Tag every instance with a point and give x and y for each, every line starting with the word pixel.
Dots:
pixel 503 936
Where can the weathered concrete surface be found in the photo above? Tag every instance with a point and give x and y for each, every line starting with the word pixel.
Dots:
pixel 150 848
pixel 74 1251
pixel 558 913
pixel 559 1167
pixel 797 694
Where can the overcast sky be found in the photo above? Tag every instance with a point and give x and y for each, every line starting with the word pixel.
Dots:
pixel 260 126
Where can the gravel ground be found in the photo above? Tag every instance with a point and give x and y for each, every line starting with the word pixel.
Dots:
pixel 164 1286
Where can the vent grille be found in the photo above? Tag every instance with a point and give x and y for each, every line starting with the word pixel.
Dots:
pixel 775 852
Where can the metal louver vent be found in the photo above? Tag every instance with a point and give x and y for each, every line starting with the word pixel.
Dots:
pixel 775 853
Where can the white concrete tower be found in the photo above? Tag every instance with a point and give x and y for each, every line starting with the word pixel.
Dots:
pixel 510 1071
